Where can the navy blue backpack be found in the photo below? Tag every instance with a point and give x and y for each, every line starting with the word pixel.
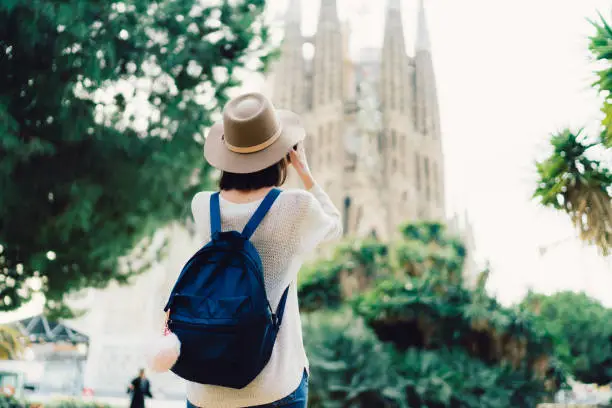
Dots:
pixel 219 310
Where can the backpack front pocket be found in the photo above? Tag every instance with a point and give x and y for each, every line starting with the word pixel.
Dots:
pixel 216 354
pixel 204 342
pixel 199 309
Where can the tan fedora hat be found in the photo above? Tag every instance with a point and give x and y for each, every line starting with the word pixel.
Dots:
pixel 252 135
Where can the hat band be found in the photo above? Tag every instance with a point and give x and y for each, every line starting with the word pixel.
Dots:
pixel 256 148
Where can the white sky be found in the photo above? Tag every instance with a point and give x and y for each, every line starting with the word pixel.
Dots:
pixel 509 73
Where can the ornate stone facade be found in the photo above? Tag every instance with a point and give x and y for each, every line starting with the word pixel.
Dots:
pixel 374 129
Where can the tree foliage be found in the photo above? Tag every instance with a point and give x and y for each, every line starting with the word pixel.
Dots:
pixel 571 179
pixel 103 107
pixel 12 344
pixel 582 332
pixel 435 342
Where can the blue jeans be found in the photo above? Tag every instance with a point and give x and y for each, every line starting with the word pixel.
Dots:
pixel 297 399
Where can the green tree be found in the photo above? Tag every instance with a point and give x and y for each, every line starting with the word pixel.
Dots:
pixel 571 179
pixel 581 328
pixel 434 341
pixel 103 107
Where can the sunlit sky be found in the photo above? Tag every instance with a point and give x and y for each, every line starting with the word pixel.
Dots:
pixel 509 73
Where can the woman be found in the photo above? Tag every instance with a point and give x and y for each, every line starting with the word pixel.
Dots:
pixel 139 388
pixel 253 148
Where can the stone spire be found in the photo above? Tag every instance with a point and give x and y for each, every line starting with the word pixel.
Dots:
pixel 293 21
pixel 293 14
pixel 422 41
pixel 427 98
pixel 393 20
pixel 394 4
pixel 328 11
pixel 427 115
pixel 288 79
pixel 326 103
pixel 328 57
pixel 397 100
pixel 395 85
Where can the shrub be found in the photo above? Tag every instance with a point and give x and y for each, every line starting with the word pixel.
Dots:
pixel 349 367
pixel 9 402
pixel 426 339
pixel 581 330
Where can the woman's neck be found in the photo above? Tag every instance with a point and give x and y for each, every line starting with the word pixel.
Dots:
pixel 243 197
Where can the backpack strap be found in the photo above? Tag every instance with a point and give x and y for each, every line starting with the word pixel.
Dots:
pixel 280 310
pixel 215 214
pixel 260 213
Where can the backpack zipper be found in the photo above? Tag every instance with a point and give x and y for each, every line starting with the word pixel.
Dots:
pixel 198 326
pixel 202 325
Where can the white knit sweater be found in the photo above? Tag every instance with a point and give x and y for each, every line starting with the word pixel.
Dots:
pixel 298 221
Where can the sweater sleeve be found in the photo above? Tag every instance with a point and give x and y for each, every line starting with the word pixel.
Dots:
pixel 322 221
pixel 201 216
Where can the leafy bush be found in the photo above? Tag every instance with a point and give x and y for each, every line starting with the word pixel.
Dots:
pixel 418 336
pixel 582 333
pixel 73 403
pixel 320 286
pixel 349 366
pixel 9 402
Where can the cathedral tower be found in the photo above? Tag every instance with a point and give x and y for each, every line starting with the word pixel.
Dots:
pixel 397 99
pixel 374 138
pixel 430 162
pixel 288 81
pixel 327 102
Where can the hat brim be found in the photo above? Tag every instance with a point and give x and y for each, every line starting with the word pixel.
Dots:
pixel 220 157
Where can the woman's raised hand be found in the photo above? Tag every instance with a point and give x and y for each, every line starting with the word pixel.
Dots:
pixel 300 164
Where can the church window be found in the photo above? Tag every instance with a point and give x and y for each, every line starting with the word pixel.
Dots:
pixel 402 95
pixel 374 234
pixel 359 216
pixel 436 186
pixel 331 140
pixel 427 181
pixel 321 139
pixel 347 208
pixel 417 163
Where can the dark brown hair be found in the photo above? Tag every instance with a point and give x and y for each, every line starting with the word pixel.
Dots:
pixel 273 176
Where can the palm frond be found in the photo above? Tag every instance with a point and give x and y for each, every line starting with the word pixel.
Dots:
pixel 582 187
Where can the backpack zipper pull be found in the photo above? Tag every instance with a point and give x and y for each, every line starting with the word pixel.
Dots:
pixel 275 320
pixel 169 304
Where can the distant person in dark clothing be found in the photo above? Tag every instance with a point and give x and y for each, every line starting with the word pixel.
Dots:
pixel 139 388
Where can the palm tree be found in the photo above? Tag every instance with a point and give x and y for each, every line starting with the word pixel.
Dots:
pixel 11 343
pixel 570 179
